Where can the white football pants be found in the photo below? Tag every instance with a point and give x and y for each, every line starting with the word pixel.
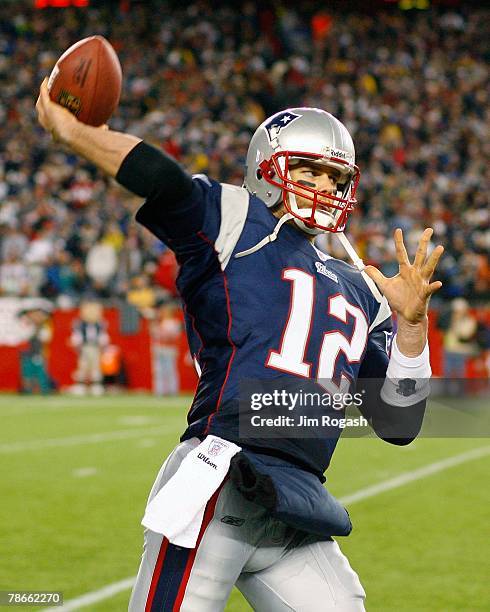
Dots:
pixel 276 567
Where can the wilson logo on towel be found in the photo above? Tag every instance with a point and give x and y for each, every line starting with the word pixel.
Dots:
pixel 203 457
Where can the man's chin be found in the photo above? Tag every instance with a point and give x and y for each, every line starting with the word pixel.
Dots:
pixel 320 218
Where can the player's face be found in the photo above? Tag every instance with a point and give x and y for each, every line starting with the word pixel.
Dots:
pixel 316 176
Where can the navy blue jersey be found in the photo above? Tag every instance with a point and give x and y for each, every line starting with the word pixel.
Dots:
pixel 286 311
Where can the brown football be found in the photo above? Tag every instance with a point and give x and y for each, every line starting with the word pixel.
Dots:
pixel 87 80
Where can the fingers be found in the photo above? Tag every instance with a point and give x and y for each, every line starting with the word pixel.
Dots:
pixel 40 112
pixel 40 104
pixel 433 287
pixel 44 108
pixel 401 251
pixel 428 268
pixel 43 92
pixel 422 248
pixel 431 263
pixel 378 277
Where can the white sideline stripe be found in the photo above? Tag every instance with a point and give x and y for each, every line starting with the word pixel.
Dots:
pixel 74 403
pixel 84 472
pixel 405 478
pixel 386 485
pixel 122 434
pixel 94 596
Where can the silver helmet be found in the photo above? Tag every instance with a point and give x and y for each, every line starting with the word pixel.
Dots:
pixel 303 134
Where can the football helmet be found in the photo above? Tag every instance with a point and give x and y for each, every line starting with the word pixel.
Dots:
pixel 308 134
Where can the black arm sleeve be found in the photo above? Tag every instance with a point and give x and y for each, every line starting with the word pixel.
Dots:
pixel 398 425
pixel 149 172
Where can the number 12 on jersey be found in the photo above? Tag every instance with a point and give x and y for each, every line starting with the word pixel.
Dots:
pixel 290 357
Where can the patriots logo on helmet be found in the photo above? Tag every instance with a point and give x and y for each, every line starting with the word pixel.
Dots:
pixel 279 122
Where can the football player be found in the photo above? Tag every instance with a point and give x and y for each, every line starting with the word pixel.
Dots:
pixel 263 304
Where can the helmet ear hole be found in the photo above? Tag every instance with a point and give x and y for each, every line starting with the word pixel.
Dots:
pixel 259 174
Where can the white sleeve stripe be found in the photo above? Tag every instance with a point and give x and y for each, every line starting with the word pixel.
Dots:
pixel 234 209
pixel 384 313
pixel 384 309
pixel 197 367
pixel 203 178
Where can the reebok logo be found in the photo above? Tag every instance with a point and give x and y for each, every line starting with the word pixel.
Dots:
pixel 233 520
pixel 203 457
pixel 321 269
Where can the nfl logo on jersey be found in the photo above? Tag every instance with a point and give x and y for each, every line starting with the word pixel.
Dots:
pixel 215 447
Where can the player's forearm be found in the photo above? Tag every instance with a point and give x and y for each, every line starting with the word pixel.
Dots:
pixel 103 148
pixel 411 338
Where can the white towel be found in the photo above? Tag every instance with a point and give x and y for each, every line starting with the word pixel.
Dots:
pixel 177 510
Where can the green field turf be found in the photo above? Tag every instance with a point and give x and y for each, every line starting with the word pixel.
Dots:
pixel 75 473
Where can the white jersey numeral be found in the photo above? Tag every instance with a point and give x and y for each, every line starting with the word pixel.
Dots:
pixel 335 342
pixel 291 354
pixel 290 357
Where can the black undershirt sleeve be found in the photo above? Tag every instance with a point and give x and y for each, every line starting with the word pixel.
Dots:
pixel 398 425
pixel 151 173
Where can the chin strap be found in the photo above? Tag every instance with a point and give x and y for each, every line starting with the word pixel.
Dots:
pixel 267 239
pixel 356 260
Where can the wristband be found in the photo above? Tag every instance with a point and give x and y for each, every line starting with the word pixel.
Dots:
pixel 407 378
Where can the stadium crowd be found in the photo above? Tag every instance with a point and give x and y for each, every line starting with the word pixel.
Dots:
pixel 198 78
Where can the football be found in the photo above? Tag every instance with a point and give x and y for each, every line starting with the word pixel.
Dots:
pixel 87 80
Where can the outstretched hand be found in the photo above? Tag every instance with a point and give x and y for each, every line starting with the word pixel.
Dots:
pixel 408 292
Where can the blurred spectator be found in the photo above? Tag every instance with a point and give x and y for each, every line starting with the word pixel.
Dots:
pixel 33 367
pixel 165 333
pixel 14 276
pixel 111 366
pixel 12 243
pixel 40 247
pixel 142 295
pixel 101 266
pixel 166 272
pixel 88 337
pixel 412 87
pixel 460 334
